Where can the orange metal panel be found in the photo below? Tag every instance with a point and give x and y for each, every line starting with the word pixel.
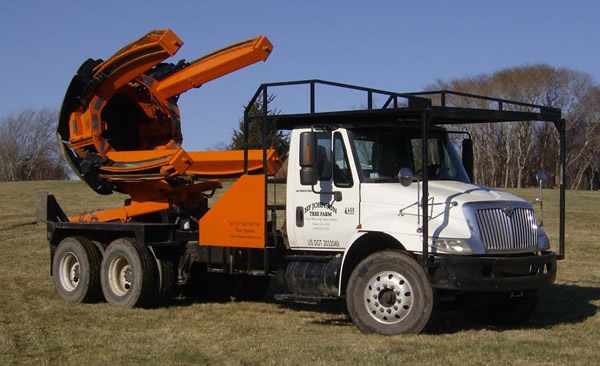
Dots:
pixel 179 163
pixel 238 218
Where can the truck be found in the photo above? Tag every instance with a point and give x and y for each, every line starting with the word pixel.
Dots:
pixel 380 207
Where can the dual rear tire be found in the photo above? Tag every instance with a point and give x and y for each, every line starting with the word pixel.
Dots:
pixel 127 274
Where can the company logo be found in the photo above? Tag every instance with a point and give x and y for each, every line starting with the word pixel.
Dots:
pixel 320 209
pixel 349 210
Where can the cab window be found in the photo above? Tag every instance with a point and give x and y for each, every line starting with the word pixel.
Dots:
pixel 342 176
pixel 382 152
pixel 324 154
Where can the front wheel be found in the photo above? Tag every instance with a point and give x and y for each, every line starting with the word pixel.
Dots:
pixel 388 293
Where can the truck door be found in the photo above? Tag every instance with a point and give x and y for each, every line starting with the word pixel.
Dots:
pixel 322 222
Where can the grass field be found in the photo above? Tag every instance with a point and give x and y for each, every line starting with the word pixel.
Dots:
pixel 37 328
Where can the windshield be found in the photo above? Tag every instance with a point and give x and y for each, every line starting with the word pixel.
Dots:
pixel 382 152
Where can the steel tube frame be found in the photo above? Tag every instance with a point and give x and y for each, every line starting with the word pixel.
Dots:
pixel 563 148
pixel 426 122
pixel 469 115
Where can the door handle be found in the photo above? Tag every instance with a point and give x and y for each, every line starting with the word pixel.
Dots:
pixel 300 216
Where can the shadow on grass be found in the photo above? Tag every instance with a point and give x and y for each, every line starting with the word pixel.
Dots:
pixel 336 308
pixel 231 291
pixel 565 304
pixel 559 304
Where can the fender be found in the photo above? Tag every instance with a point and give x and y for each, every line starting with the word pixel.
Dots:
pixel 362 244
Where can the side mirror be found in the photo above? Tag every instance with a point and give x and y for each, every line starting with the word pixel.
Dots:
pixel 541 177
pixel 308 159
pixel 467 157
pixel 405 177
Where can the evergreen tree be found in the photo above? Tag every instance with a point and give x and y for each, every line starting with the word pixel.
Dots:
pixel 275 139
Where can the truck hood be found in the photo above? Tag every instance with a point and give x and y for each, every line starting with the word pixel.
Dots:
pixel 392 208
pixel 439 191
pixel 464 192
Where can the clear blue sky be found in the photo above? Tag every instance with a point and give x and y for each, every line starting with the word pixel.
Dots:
pixel 393 45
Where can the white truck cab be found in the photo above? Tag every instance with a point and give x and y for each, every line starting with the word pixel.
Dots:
pixel 363 167
pixel 356 202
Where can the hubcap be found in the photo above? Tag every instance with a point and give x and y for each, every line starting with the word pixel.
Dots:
pixel 69 271
pixel 119 275
pixel 388 297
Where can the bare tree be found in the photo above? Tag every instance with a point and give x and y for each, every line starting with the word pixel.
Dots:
pixel 28 146
pixel 511 154
pixel 586 138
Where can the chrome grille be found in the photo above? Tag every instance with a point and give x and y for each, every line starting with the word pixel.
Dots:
pixel 500 231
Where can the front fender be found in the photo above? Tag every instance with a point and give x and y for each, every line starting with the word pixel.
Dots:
pixel 361 245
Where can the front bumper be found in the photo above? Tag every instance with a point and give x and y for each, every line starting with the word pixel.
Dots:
pixel 492 273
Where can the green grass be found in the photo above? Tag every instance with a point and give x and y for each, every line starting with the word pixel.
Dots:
pixel 37 328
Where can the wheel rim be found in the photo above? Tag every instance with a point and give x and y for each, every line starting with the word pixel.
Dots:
pixel 120 276
pixel 70 271
pixel 388 297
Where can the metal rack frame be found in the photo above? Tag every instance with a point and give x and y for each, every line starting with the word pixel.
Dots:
pixel 402 108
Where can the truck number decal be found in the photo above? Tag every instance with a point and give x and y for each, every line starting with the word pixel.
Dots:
pixel 323 243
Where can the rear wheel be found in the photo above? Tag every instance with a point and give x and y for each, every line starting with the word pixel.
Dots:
pixel 167 275
pixel 128 274
pixel 76 270
pixel 388 293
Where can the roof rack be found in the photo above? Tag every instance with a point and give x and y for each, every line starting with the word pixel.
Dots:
pixel 406 107
pixel 426 108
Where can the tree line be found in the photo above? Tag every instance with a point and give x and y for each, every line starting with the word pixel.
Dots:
pixel 510 154
pixel 29 147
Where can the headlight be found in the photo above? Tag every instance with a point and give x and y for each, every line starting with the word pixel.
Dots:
pixel 450 246
pixel 543 242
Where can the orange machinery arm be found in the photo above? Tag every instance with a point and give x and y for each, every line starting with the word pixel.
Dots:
pixel 120 129
pixel 214 65
pixel 128 105
pixel 123 75
pixel 162 164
